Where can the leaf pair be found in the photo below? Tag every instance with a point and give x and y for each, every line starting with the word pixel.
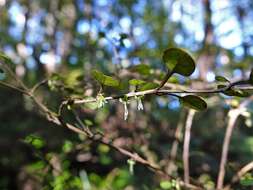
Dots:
pixel 180 62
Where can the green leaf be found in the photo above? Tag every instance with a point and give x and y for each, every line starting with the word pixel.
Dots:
pixel 194 102
pixel 221 79
pixel 178 61
pixel 148 86
pixel 251 77
pixel 2 74
pixel 36 141
pixel 136 82
pixel 142 69
pixel 104 79
pixel 247 180
pixel 235 92
pixel 166 185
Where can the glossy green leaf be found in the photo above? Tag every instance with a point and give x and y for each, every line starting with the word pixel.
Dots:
pixel 221 79
pixel 194 102
pixel 136 82
pixel 104 79
pixel 178 61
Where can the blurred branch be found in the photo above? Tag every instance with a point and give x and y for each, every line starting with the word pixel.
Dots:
pixel 36 86
pixel 233 116
pixel 174 147
pixel 13 87
pixel 240 174
pixel 186 148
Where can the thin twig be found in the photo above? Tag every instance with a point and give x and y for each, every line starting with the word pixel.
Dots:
pixel 36 86
pixel 248 167
pixel 186 148
pixel 84 127
pixel 13 87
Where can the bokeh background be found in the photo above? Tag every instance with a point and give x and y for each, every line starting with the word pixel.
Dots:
pixel 71 37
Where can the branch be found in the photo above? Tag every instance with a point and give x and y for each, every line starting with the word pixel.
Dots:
pixel 174 147
pixel 166 78
pixel 13 87
pixel 239 174
pixel 167 92
pixel 186 148
pixel 36 86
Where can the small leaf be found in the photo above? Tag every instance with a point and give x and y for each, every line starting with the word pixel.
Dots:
pixel 234 92
pixel 166 185
pixel 247 180
pixel 36 141
pixel 221 79
pixel 136 82
pixel 104 79
pixel 251 77
pixel 194 102
pixel 178 61
pixel 237 93
pixel 148 86
pixel 143 69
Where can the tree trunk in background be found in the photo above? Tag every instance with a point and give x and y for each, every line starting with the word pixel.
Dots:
pixel 207 58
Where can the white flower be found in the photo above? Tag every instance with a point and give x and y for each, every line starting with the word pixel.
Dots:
pixel 101 101
pixel 125 102
pixel 139 104
pixel 126 111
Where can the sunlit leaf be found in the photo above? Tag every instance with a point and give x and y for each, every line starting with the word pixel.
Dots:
pixel 104 79
pixel 36 141
pixel 221 79
pixel 178 61
pixel 166 185
pixel 148 86
pixel 143 69
pixel 194 102
pixel 136 82
pixel 247 180
pixel 67 146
